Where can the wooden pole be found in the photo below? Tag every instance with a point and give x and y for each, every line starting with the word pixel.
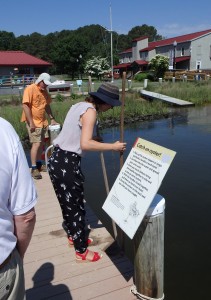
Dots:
pixel 120 234
pixel 107 190
pixel 122 117
pixel 149 253
pixel 106 181
pixel 90 84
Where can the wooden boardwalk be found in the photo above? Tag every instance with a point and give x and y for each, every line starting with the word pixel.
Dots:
pixel 50 268
pixel 165 98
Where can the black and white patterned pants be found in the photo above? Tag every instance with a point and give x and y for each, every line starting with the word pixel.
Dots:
pixel 64 168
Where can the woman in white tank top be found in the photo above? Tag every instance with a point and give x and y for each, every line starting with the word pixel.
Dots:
pixel 64 168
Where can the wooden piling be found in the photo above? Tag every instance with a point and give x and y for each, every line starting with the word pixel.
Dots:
pixel 149 253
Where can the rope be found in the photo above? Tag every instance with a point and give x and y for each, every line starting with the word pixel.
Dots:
pixel 143 297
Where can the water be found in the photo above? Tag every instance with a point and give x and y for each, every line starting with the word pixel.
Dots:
pixel 186 189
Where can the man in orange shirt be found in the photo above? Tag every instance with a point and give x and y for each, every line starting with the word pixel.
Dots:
pixel 36 103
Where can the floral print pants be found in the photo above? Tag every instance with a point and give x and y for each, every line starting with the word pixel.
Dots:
pixel 64 169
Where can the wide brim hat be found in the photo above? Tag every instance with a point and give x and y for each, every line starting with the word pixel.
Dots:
pixel 45 77
pixel 108 93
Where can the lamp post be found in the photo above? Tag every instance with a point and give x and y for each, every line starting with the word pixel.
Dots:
pixel 111 32
pixel 79 61
pixel 112 64
pixel 174 60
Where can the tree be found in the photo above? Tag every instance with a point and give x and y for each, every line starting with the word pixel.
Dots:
pixel 66 54
pixel 159 64
pixel 8 41
pixel 97 66
pixel 144 30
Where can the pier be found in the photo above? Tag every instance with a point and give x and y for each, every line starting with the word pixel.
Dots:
pixel 51 271
pixel 171 100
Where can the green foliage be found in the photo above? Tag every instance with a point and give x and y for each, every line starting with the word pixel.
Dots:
pixel 141 76
pixel 8 41
pixel 197 92
pixel 134 107
pixel 14 116
pixel 59 98
pixel 159 64
pixel 75 96
pixel 144 30
pixel 63 48
pixel 97 66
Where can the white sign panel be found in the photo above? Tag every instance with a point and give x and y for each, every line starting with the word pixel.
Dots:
pixel 137 184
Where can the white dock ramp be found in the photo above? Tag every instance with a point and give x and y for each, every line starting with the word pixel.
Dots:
pixel 166 98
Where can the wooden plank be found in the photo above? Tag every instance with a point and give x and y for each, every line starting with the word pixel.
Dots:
pixel 166 98
pixel 51 271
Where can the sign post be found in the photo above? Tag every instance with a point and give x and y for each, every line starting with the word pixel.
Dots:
pixel 134 205
pixel 137 184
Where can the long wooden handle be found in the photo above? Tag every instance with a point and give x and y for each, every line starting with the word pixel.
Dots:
pixel 122 117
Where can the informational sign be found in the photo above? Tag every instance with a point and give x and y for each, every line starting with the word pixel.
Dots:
pixel 79 82
pixel 137 184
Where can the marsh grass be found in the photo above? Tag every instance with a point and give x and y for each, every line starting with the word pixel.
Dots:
pixel 197 92
pixel 135 107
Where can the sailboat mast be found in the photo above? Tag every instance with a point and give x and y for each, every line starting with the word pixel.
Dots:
pixel 111 31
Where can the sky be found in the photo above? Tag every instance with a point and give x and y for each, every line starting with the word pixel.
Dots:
pixel 170 18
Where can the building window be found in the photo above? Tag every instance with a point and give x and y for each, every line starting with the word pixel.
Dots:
pixel 143 55
pixel 182 51
pixel 198 65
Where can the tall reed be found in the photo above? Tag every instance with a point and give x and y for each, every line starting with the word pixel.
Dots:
pixel 134 107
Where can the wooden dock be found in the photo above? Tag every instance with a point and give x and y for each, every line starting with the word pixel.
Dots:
pixel 165 98
pixel 50 268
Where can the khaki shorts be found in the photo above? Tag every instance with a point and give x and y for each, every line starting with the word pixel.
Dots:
pixel 12 285
pixel 39 135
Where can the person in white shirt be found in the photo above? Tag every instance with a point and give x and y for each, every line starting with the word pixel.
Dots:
pixel 18 197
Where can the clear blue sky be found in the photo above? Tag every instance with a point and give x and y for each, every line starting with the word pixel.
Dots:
pixel 170 18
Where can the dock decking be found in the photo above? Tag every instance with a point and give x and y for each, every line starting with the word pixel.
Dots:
pixel 50 268
pixel 165 98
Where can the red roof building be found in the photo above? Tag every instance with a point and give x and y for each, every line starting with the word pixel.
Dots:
pixel 186 52
pixel 19 62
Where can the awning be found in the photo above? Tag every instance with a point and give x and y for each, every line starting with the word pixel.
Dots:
pixel 140 62
pixel 182 58
pixel 122 66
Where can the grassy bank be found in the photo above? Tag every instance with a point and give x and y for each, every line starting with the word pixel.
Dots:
pixel 197 92
pixel 135 108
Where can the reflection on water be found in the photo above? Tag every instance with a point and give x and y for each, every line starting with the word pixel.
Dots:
pixel 186 189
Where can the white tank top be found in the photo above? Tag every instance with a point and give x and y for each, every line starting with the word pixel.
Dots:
pixel 70 135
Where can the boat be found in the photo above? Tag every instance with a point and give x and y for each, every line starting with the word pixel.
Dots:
pixel 59 85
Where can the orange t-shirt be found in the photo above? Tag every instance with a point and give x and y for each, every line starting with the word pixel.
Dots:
pixel 37 101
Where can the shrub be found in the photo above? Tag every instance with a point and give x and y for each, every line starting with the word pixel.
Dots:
pixel 59 98
pixel 141 76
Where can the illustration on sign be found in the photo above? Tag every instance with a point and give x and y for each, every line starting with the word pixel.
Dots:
pixel 137 184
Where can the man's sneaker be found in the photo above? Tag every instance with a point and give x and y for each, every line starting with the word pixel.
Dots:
pixel 36 174
pixel 42 168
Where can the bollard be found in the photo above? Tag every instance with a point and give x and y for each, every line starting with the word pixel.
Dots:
pixel 149 253
pixel 173 79
pixel 184 78
pixel 160 80
pixel 71 89
pixel 145 83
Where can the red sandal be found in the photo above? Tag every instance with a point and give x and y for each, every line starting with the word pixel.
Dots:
pixel 83 257
pixel 71 244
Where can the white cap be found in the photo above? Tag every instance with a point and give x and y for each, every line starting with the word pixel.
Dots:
pixel 45 77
